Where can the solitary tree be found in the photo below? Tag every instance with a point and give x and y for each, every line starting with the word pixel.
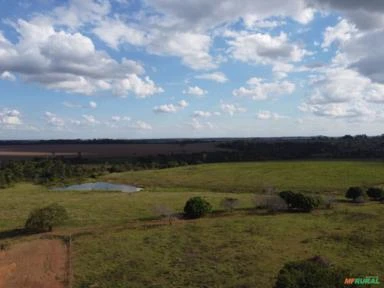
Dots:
pixel 196 207
pixel 375 193
pixel 354 193
pixel 44 219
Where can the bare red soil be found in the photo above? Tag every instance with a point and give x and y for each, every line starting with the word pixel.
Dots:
pixel 34 264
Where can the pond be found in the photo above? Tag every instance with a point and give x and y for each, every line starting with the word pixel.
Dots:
pixel 99 186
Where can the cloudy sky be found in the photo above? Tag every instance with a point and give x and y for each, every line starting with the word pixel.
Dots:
pixel 191 68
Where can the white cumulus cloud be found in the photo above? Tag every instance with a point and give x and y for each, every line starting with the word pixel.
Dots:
pixel 214 76
pixel 10 117
pixel 232 109
pixel 260 90
pixel 195 91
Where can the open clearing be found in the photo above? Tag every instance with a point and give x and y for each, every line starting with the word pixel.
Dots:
pixel 119 240
pixel 34 264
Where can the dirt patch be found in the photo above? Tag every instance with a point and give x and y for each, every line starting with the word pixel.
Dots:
pixel 34 264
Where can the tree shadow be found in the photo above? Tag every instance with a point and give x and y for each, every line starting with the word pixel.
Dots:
pixel 14 233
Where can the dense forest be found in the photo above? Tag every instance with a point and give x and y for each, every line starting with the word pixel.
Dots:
pixel 346 147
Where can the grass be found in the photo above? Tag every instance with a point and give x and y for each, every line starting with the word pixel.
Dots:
pixel 97 208
pixel 305 176
pixel 240 249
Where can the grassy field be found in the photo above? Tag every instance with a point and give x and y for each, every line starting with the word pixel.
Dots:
pixel 117 244
pixel 97 208
pixel 238 251
pixel 310 176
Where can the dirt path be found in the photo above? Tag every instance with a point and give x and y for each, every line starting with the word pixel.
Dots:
pixel 34 264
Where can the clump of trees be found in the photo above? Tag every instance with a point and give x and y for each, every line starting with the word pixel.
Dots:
pixel 44 171
pixel 196 207
pixel 312 273
pixel 44 219
pixel 299 201
pixel 354 193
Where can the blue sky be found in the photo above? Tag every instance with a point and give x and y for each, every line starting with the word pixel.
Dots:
pixel 193 68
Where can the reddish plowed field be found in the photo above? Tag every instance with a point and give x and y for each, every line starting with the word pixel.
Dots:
pixel 34 264
pixel 101 150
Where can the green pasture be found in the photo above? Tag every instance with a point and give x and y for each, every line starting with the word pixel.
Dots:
pixel 305 176
pixel 117 243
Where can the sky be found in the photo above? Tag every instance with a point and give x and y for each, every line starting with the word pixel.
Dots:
pixel 193 68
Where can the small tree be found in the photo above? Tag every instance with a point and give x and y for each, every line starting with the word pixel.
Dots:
pixel 196 207
pixel 230 203
pixel 354 192
pixel 375 193
pixel 312 273
pixel 44 219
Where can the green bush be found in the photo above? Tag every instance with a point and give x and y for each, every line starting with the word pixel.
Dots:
pixel 196 207
pixel 298 201
pixel 287 196
pixel 354 193
pixel 44 219
pixel 312 273
pixel 375 193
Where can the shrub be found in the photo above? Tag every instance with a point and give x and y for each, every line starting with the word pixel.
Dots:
pixel 44 219
pixel 299 201
pixel 312 273
pixel 287 196
pixel 230 203
pixel 196 207
pixel 375 193
pixel 305 203
pixel 354 192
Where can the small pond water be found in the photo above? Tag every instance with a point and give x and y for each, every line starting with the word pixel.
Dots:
pixel 99 186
